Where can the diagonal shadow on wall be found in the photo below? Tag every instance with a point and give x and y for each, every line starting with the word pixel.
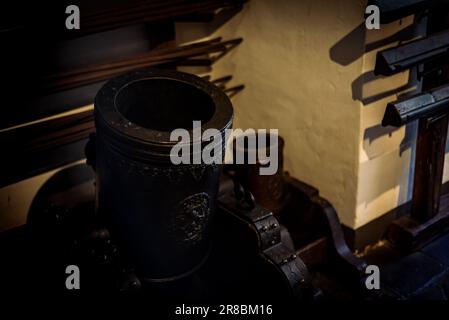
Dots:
pixel 352 46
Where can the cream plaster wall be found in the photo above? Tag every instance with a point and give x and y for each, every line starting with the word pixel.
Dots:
pixel 307 67
pixel 386 154
pixel 293 85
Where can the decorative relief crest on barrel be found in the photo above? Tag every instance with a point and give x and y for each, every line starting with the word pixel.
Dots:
pixel 191 218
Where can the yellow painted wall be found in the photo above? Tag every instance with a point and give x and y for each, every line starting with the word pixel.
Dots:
pixel 293 85
pixel 308 69
pixel 386 153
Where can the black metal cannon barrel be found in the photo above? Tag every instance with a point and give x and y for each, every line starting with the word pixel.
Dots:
pixel 160 213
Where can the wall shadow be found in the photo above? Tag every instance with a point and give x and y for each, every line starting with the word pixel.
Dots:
pixel 366 78
pixel 352 46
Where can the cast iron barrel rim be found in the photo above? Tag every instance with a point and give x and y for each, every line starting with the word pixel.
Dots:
pixel 119 128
